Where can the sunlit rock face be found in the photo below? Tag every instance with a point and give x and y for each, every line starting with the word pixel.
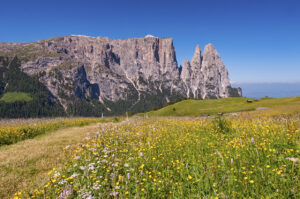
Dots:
pixel 139 72
pixel 206 76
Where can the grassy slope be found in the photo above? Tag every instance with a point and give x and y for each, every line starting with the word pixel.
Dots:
pixel 193 107
pixel 242 157
pixel 11 97
pixel 25 165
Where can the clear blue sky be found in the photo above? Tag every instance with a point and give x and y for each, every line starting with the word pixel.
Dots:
pixel 258 40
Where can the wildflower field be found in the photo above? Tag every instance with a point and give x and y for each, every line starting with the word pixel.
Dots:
pixel 231 157
pixel 16 130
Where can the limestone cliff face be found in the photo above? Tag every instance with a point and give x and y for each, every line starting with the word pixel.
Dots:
pixel 139 72
pixel 193 78
pixel 206 76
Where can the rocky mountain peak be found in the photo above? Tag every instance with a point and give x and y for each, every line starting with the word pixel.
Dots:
pixel 207 76
pixel 215 73
pixel 210 54
pixel 196 60
pixel 119 75
pixel 186 63
pixel 197 50
pixel 150 36
pixel 209 47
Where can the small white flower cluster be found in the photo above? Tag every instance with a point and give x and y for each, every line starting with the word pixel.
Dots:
pixel 293 159
pixel 74 175
pixel 56 174
pixel 91 166
pixel 96 186
pixel 85 194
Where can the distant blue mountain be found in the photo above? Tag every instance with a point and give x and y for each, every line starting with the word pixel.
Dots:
pixel 276 90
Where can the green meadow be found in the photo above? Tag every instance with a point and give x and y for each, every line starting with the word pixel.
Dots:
pixel 11 97
pixel 192 107
pixel 248 154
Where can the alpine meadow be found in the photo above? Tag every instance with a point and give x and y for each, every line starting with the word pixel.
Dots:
pixel 149 100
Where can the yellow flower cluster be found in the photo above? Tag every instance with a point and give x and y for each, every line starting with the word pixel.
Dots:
pixel 10 134
pixel 236 157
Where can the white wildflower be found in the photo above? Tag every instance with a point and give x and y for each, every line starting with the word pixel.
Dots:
pixel 292 159
pixel 74 175
pixel 76 157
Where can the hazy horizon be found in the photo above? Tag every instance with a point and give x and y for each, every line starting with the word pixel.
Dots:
pixel 275 89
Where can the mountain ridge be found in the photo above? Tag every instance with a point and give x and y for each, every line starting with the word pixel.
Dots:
pixel 133 74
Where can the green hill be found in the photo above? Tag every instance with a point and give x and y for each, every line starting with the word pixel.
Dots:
pixel 192 107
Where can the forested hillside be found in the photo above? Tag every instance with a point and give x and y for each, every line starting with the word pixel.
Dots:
pixel 22 95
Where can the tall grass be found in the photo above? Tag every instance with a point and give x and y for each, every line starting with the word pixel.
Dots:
pixel 237 157
pixel 10 134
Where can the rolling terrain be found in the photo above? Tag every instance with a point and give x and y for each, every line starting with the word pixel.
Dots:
pixel 193 107
pixel 30 148
pixel 25 165
pixel 245 154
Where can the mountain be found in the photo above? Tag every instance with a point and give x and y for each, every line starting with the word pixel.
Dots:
pixel 23 95
pixel 94 75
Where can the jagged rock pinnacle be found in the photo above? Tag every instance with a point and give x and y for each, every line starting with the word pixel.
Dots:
pixel 112 70
pixel 196 60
